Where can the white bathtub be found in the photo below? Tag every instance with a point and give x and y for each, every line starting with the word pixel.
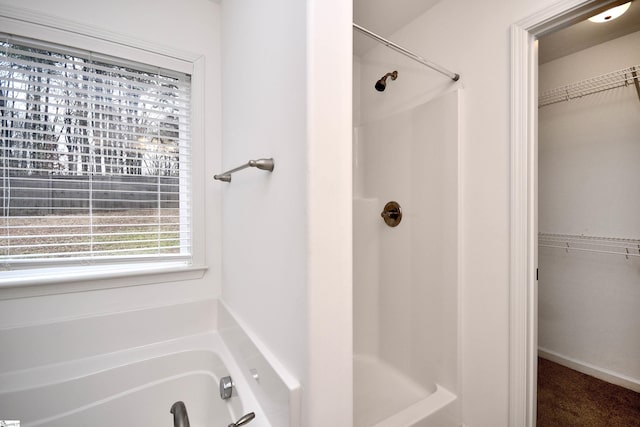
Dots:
pixel 134 387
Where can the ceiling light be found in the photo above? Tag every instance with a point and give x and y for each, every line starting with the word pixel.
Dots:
pixel 611 14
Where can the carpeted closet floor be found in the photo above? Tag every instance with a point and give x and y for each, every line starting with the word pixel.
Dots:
pixel 568 398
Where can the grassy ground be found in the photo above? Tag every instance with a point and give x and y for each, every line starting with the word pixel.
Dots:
pixel 110 233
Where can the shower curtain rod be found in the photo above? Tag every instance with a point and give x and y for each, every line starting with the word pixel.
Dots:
pixel 453 76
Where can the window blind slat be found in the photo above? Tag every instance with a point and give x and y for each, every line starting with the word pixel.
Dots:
pixel 141 133
pixel 27 90
pixel 67 80
pixel 64 182
pixel 149 121
pixel 47 47
pixel 14 167
pixel 97 254
pixel 99 103
pixel 97 143
pixel 88 71
pixel 84 227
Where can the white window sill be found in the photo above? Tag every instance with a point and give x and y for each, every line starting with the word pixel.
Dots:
pixel 21 284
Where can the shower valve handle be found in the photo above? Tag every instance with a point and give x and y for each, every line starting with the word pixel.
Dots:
pixel 392 214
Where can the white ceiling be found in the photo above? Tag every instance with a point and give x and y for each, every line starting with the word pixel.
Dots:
pixel 585 34
pixel 384 17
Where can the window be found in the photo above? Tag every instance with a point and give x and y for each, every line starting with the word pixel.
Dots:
pixel 95 162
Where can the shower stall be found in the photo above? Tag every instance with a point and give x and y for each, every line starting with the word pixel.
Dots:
pixel 405 220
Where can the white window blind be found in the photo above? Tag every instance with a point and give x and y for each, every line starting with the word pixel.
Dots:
pixel 95 162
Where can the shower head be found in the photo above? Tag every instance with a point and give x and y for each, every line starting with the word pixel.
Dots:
pixel 382 83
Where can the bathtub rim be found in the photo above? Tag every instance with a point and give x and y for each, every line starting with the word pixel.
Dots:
pixel 57 372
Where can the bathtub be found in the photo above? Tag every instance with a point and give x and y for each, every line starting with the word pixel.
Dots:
pixel 132 387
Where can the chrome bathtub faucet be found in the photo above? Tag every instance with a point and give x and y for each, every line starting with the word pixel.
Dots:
pixel 226 388
pixel 180 417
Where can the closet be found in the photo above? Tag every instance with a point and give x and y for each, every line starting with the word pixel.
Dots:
pixel 589 218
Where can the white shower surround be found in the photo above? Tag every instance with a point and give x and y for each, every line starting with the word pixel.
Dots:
pixel 406 370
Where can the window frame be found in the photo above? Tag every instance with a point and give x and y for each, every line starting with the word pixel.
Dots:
pixel 32 282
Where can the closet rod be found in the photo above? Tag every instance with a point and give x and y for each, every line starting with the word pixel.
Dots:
pixel 453 76
pixel 573 248
pixel 585 238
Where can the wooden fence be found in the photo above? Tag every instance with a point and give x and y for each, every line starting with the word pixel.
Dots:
pixel 59 194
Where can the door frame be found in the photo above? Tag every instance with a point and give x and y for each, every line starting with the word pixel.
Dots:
pixel 523 298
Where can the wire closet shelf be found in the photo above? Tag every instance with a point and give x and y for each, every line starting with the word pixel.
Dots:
pixel 604 245
pixel 621 78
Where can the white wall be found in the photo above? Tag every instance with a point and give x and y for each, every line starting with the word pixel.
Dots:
pixel 470 38
pixel 589 147
pixel 329 200
pixel 265 218
pixel 190 27
pixel 287 235
pixel 588 174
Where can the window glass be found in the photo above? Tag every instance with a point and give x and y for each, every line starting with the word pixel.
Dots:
pixel 95 163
